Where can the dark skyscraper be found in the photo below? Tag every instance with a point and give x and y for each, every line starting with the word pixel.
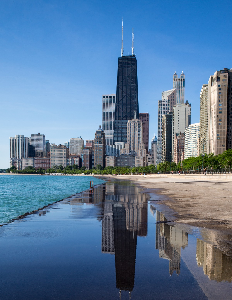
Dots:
pixel 126 107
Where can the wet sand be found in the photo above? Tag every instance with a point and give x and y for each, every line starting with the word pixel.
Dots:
pixel 198 200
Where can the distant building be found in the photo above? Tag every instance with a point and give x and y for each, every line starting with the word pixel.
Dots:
pixel 204 121
pixel 125 160
pixel 181 120
pixel 86 157
pixel 126 96
pixel 42 163
pixel 108 115
pixel 99 148
pixel 37 140
pixel 58 156
pixel 164 107
pixel 179 142
pixel 74 160
pixel 110 161
pixel 191 141
pixel 167 137
pixel 179 85
pixel 154 150
pixel 27 162
pixel 220 111
pixel 135 143
pixel 89 144
pixel 75 146
pixel 18 149
pixel 144 117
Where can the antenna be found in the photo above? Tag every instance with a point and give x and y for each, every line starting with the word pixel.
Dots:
pixel 122 40
pixel 132 43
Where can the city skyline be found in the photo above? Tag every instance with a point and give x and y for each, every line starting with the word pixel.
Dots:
pixel 58 59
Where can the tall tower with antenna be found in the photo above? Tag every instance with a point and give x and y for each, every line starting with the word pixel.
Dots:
pixel 126 93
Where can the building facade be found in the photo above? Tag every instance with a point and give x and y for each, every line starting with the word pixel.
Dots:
pixel 19 146
pixel 181 120
pixel 167 137
pixel 108 116
pixel 75 146
pixel 191 145
pixel 58 156
pixel 204 130
pixel 38 141
pixel 219 111
pixel 164 107
pixel 144 118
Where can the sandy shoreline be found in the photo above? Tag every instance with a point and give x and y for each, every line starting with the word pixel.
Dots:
pixel 197 200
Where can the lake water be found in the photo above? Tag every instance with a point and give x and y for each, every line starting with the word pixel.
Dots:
pixel 112 242
pixel 20 194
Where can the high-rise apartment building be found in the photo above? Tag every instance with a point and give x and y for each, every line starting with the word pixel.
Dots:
pixel 144 117
pixel 18 149
pixel 58 155
pixel 134 143
pixel 75 146
pixel 38 141
pixel 126 96
pixel 204 136
pixel 181 120
pixel 154 150
pixel 108 115
pixel 167 137
pixel 220 111
pixel 99 148
pixel 179 85
pixel 191 145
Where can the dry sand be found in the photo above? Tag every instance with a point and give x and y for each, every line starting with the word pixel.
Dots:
pixel 197 200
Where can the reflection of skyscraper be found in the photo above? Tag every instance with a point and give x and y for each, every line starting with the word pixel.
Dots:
pixel 108 229
pixel 169 240
pixel 216 265
pixel 125 218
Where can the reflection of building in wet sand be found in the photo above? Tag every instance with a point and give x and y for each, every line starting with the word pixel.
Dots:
pixel 216 265
pixel 169 240
pixel 125 217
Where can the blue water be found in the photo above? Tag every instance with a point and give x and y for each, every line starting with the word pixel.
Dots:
pixel 20 194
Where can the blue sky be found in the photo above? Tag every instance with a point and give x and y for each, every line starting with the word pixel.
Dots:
pixel 58 58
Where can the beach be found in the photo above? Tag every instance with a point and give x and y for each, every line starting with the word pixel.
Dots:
pixel 198 200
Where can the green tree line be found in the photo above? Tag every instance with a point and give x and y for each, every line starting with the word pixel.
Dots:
pixel 209 162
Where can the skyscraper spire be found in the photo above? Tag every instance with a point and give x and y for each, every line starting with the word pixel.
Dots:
pixel 132 43
pixel 122 40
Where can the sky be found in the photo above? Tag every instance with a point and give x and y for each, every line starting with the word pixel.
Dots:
pixel 57 59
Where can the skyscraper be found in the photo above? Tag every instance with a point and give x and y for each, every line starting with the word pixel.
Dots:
pixel 204 137
pixel 108 113
pixel 144 117
pixel 99 148
pixel 164 107
pixel 126 105
pixel 179 85
pixel 219 111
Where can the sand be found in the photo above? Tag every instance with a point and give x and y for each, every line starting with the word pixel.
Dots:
pixel 198 200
